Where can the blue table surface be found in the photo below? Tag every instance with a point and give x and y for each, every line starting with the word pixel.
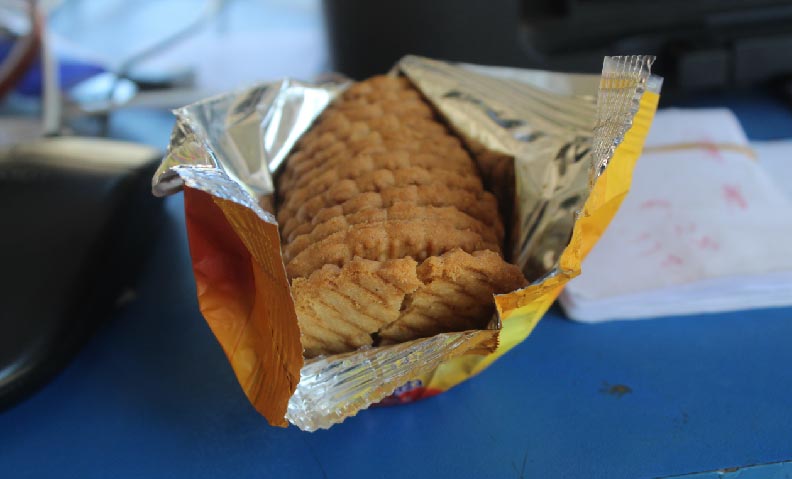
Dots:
pixel 152 395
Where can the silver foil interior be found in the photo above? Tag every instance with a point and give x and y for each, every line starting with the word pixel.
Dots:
pixel 559 129
pixel 246 134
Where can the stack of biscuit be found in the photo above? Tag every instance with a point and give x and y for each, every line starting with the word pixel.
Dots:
pixel 388 234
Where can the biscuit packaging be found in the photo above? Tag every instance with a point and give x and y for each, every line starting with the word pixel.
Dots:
pixel 380 241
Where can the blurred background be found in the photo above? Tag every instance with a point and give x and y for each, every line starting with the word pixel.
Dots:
pixel 166 53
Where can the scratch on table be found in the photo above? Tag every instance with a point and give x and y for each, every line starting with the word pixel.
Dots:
pixel 681 420
pixel 315 458
pixel 525 460
pixel 617 390
pixel 472 412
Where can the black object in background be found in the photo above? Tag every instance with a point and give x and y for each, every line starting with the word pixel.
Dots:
pixel 76 216
pixel 699 43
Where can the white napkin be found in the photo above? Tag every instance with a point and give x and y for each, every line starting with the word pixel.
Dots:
pixel 776 158
pixel 703 229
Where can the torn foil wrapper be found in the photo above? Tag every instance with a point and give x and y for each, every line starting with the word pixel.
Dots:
pixel 546 129
pixel 542 140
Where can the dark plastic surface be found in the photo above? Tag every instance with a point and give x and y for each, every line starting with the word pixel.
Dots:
pixel 701 44
pixel 71 244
